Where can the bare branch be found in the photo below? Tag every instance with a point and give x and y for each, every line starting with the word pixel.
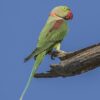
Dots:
pixel 74 63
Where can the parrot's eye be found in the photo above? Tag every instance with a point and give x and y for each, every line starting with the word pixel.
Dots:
pixel 64 8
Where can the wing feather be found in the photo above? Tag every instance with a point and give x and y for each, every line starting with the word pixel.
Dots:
pixel 52 33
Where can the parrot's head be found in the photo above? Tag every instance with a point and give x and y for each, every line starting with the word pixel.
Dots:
pixel 62 12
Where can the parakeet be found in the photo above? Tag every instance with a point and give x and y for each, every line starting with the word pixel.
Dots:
pixel 50 37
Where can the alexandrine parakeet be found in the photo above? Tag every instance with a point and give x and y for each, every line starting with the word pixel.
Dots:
pixel 50 37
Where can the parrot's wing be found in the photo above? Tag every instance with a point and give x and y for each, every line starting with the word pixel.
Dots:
pixel 51 32
pixel 41 49
pixel 50 35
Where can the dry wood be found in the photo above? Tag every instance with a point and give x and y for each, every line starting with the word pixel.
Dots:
pixel 74 63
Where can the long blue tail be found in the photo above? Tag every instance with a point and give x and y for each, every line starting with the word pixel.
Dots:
pixel 38 61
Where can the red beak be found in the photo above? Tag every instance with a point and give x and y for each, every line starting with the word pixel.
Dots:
pixel 69 16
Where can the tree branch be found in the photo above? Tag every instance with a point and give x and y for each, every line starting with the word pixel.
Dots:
pixel 74 63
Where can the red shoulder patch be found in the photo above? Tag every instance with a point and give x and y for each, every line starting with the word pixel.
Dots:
pixel 57 25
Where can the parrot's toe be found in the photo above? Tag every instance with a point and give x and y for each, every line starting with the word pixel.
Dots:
pixel 52 57
pixel 60 51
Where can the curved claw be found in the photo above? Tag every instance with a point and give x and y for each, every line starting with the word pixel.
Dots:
pixel 52 57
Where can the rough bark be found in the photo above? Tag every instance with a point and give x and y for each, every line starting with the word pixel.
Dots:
pixel 74 63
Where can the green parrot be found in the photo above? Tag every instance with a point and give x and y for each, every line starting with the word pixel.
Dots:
pixel 50 38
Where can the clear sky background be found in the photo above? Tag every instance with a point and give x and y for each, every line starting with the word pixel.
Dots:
pixel 20 24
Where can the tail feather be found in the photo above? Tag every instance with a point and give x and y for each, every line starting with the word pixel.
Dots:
pixel 38 61
pixel 31 55
pixel 41 49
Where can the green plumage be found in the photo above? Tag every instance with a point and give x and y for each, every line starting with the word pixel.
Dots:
pixel 50 37
pixel 39 59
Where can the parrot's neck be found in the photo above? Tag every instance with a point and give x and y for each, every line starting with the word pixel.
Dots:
pixel 54 18
pixel 53 15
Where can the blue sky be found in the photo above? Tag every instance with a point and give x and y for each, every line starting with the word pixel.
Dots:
pixel 20 24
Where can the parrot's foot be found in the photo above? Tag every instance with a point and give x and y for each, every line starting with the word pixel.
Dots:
pixel 57 53
pixel 52 57
pixel 60 51
pixel 52 54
